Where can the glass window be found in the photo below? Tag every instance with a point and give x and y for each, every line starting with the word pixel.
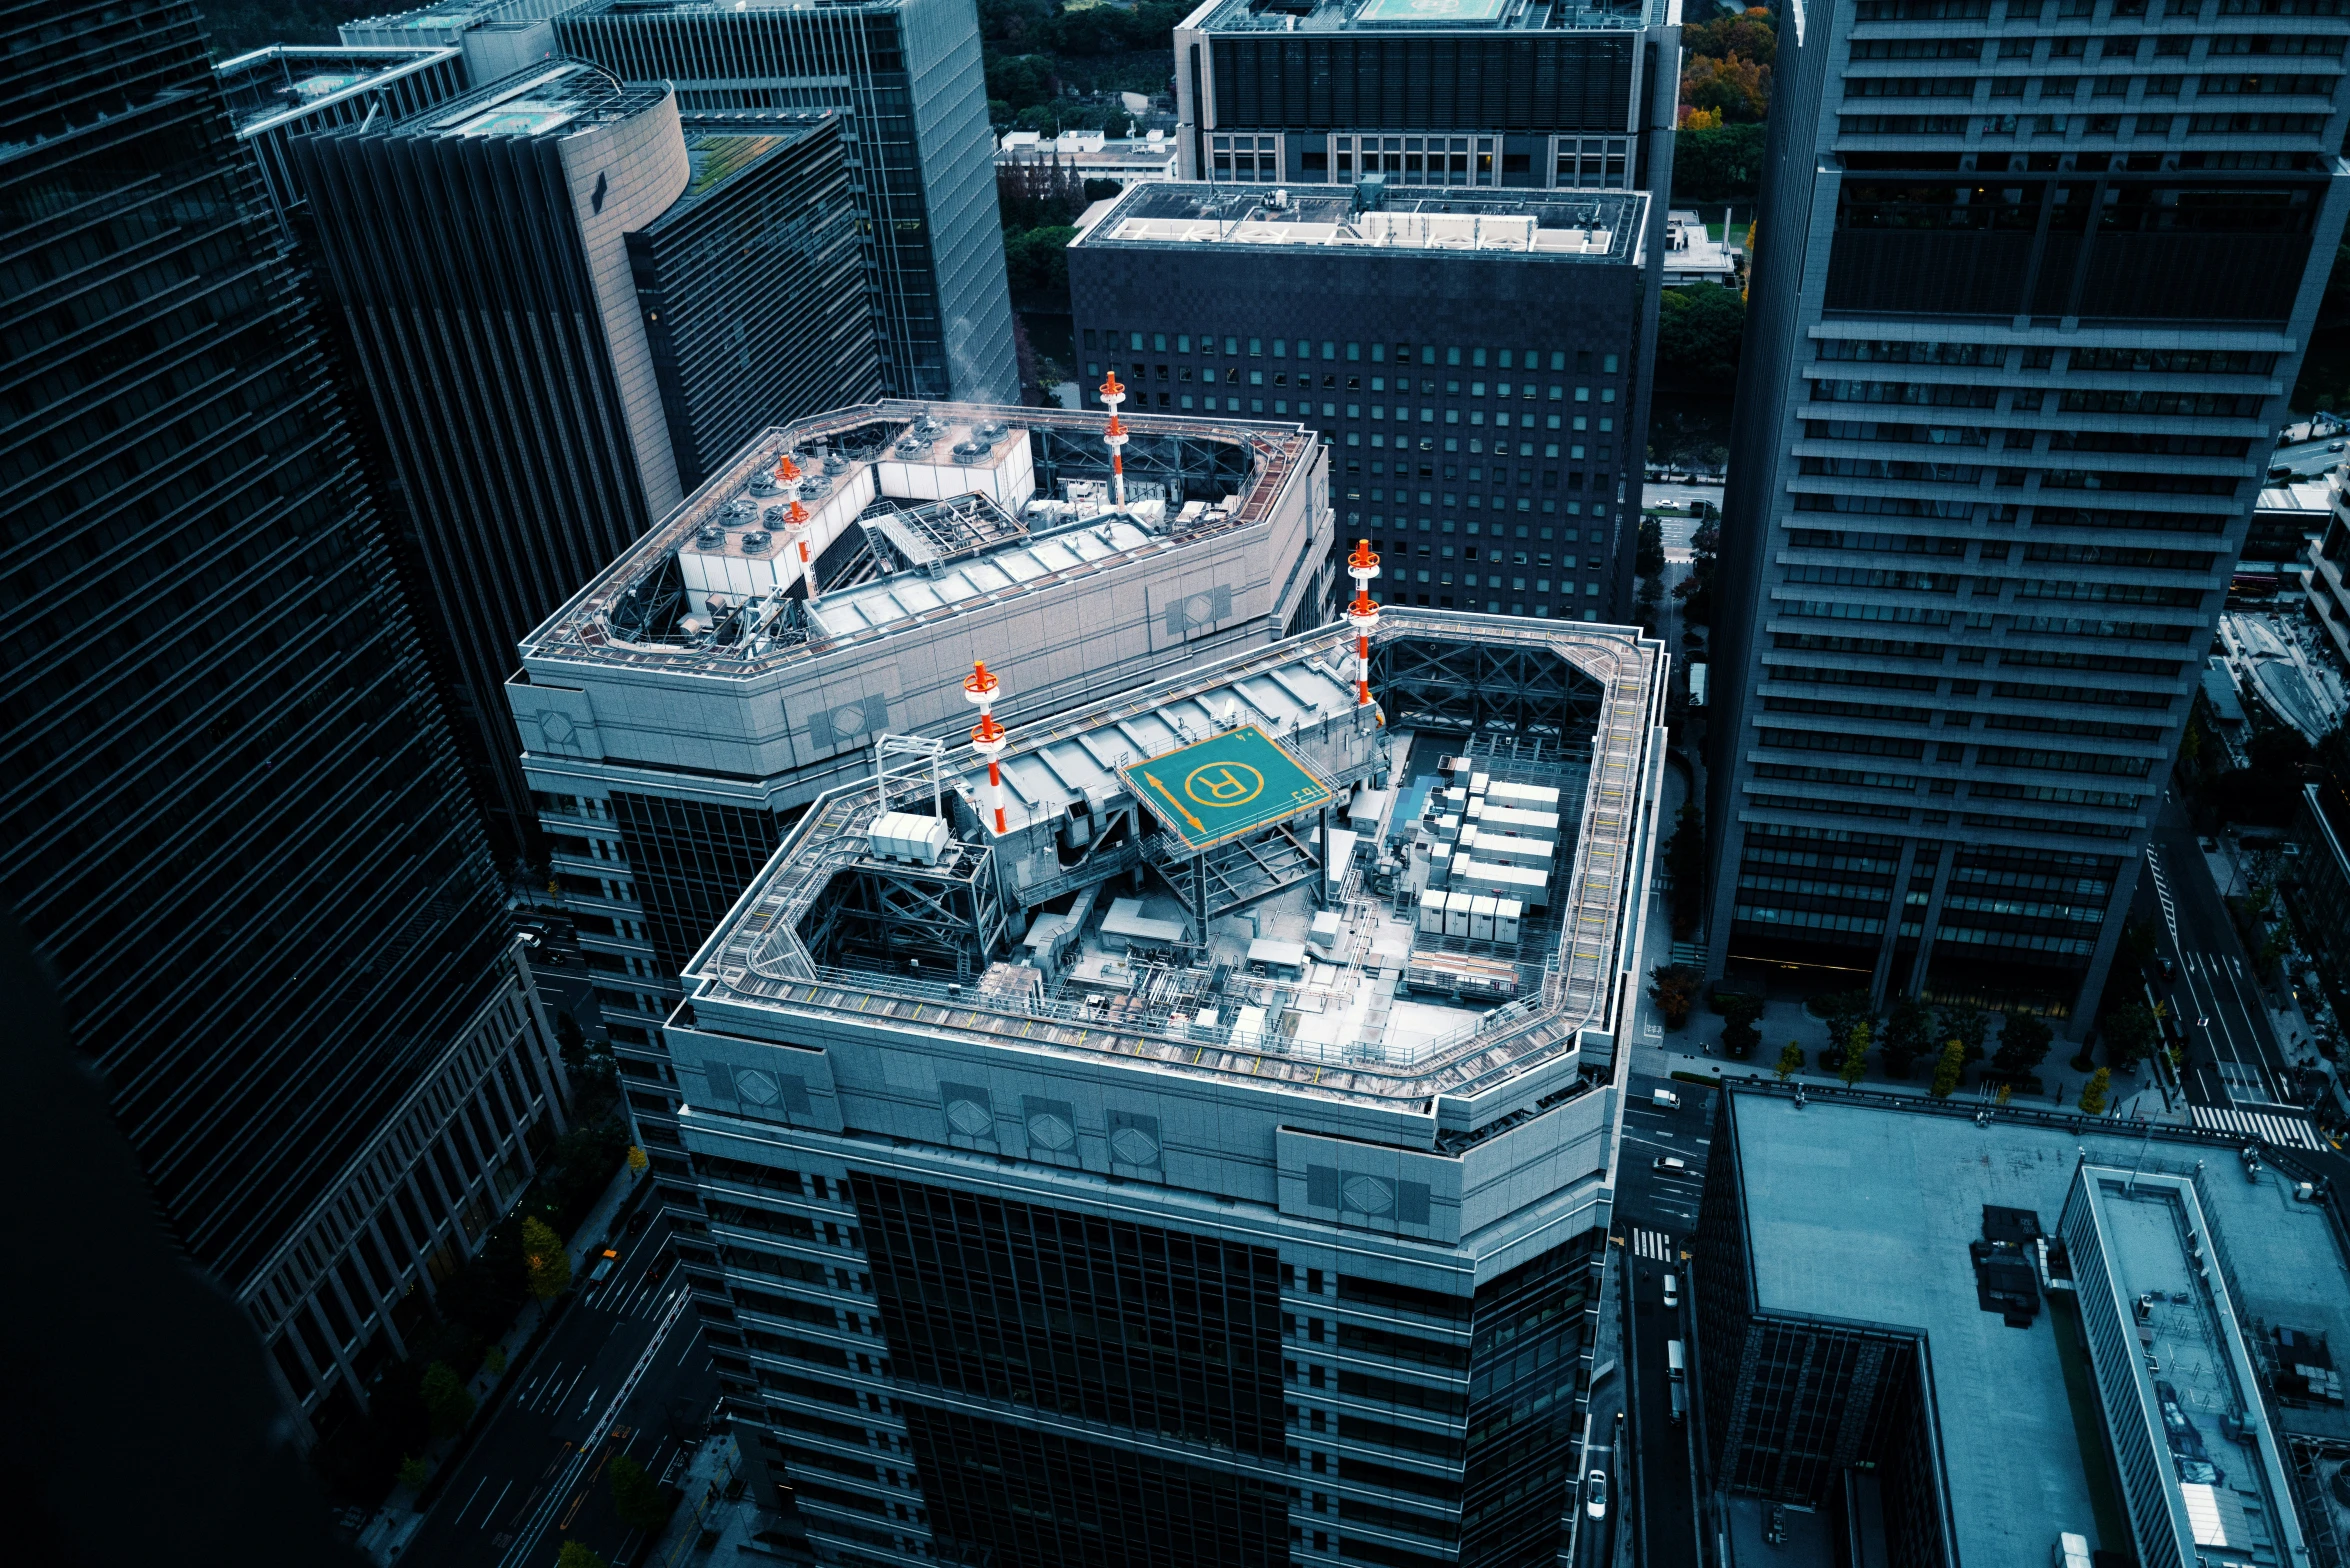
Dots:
pixel 1609 365
pixel 1182 342
pixel 1355 350
pixel 1256 348
pixel 1558 360
pixel 1231 346
pixel 1452 356
pixel 1159 342
pixel 1136 339
pixel 1280 349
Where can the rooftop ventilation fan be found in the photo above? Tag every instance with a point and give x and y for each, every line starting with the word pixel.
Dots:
pixel 990 432
pixel 712 532
pixel 754 541
pixel 762 483
pixel 972 451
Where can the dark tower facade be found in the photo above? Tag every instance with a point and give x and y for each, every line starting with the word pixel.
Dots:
pixel 236 826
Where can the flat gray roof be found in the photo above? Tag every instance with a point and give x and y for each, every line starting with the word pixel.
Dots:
pixel 1424 16
pixel 1864 1214
pixel 1586 226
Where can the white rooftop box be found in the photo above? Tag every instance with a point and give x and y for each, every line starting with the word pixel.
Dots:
pixel 901 835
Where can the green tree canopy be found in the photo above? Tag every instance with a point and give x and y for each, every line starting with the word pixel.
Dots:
pixel 1698 332
pixel 1790 1060
pixel 544 1261
pixel 1685 863
pixel 2130 1031
pixel 2093 1092
pixel 636 1496
pixel 2023 1043
pixel 1717 163
pixel 1908 1030
pixel 1855 1064
pixel 447 1401
pixel 575 1555
pixel 1038 262
pixel 1966 1023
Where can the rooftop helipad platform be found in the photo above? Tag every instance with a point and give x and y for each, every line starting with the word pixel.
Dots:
pixel 1225 786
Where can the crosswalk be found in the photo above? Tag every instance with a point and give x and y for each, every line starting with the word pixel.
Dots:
pixel 2291 1132
pixel 1654 1245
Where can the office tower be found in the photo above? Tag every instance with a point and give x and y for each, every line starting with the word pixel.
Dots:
pixel 237 828
pixel 743 280
pixel 907 73
pixel 1471 358
pixel 495 37
pixel 2033 282
pixel 693 697
pixel 284 91
pixel 2325 579
pixel 1114 1151
pixel 1538 95
pixel 2026 1335
pixel 497 265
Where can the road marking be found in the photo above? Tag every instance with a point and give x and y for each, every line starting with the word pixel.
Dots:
pixel 490 1515
pixel 2170 912
pixel 1655 1245
pixel 588 1403
pixel 2292 1132
pixel 469 1497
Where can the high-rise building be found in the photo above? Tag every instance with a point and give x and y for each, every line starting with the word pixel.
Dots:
pixel 1129 1145
pixel 237 828
pixel 1952 1341
pixel 685 706
pixel 2033 282
pixel 907 74
pixel 549 305
pixel 1471 357
pixel 1550 94
pixel 284 91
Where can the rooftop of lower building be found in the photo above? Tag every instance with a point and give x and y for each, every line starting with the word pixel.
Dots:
pixel 1422 16
pixel 1242 874
pixel 1558 226
pixel 1868 1214
pixel 556 97
pixel 914 512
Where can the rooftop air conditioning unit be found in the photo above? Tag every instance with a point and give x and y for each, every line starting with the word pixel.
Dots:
pixel 754 541
pixel 712 532
pixel 972 451
pixel 762 483
pixel 815 487
pixel 991 432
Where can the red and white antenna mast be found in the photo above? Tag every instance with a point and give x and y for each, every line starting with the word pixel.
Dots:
pixel 1115 439
pixel 1363 616
pixel 787 474
pixel 987 736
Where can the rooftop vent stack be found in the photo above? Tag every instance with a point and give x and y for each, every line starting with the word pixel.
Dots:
pixel 1363 616
pixel 1115 439
pixel 987 736
pixel 787 474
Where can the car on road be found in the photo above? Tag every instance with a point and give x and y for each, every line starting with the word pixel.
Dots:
pixel 1666 1098
pixel 1671 1165
pixel 604 1266
pixel 2336 446
pixel 1595 1494
pixel 1672 1290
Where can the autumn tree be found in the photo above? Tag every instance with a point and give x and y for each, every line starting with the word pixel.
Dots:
pixel 1790 1060
pixel 2093 1092
pixel 545 1262
pixel 1856 1055
pixel 1948 1070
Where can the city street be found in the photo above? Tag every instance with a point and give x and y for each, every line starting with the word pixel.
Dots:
pixel 1655 1212
pixel 2233 1058
pixel 528 1487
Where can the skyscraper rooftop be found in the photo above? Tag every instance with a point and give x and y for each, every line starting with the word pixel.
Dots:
pixel 1582 225
pixel 1407 16
pixel 1216 779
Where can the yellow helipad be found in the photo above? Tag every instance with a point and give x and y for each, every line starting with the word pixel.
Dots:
pixel 1224 786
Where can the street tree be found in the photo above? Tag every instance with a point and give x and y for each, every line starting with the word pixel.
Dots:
pixel 2023 1043
pixel 1790 1060
pixel 1948 1070
pixel 636 1496
pixel 448 1403
pixel 1967 1024
pixel 1855 1065
pixel 1673 988
pixel 543 1259
pixel 2093 1092
pixel 2130 1031
pixel 575 1555
pixel 1908 1029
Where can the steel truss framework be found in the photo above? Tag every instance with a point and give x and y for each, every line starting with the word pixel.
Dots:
pixel 941 920
pixel 1235 875
pixel 1473 686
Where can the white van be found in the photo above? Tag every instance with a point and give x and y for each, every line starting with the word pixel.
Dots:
pixel 1672 1291
pixel 1675 1366
pixel 1666 1098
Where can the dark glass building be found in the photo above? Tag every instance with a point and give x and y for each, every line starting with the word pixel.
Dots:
pixel 542 285
pixel 750 284
pixel 236 825
pixel 1556 94
pixel 2034 283
pixel 1473 360
pixel 907 75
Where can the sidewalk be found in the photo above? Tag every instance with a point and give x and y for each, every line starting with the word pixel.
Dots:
pixel 705 1502
pixel 396 1522
pixel 2134 1096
